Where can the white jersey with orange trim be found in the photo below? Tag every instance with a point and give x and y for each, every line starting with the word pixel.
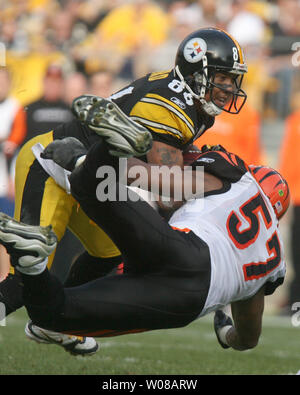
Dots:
pixel 241 230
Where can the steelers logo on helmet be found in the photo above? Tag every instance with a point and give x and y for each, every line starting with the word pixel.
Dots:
pixel 194 50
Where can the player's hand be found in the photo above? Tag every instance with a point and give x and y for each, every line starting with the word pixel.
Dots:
pixel 218 161
pixel 222 324
pixel 65 152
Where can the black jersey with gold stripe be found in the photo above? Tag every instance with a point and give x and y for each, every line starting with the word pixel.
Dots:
pixel 160 103
pixel 165 107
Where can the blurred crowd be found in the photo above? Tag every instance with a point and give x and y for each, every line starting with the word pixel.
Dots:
pixel 52 51
pixel 132 37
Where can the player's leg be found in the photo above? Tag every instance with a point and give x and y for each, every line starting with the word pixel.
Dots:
pixel 37 201
pixel 31 246
pixel 149 246
pixel 92 237
pixel 134 226
pixel 173 284
pixel 101 255
pixel 87 268
pixel 49 205
pixel 170 294
pixel 11 288
pixel 40 201
pixel 11 292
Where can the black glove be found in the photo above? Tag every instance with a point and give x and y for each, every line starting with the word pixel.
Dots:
pixel 65 152
pixel 220 321
pixel 221 163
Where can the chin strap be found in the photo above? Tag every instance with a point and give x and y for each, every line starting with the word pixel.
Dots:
pixel 209 107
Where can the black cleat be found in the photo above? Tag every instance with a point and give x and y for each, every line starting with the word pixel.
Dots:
pixel 128 137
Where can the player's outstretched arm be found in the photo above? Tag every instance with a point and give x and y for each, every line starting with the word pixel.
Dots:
pixel 69 151
pixel 247 316
pixel 164 155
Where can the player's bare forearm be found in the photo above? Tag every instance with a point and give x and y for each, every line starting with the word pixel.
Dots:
pixel 247 317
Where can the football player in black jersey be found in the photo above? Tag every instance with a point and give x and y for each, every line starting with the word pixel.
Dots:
pixel 172 267
pixel 175 106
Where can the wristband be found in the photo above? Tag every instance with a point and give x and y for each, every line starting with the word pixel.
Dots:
pixel 223 332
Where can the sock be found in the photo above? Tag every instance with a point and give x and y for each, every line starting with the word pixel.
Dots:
pixel 43 298
pixel 11 293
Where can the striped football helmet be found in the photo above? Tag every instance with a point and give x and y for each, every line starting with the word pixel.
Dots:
pixel 200 56
pixel 274 186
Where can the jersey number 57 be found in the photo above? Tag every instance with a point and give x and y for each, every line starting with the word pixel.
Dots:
pixel 244 238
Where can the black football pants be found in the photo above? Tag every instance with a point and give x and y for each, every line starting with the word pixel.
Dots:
pixel 167 278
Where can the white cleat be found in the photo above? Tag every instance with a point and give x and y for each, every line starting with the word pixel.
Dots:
pixel 75 345
pixel 28 245
pixel 128 137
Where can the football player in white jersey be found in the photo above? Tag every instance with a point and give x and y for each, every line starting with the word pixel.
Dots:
pixel 174 107
pixel 223 248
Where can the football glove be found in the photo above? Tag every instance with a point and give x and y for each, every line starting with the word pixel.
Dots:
pixel 65 152
pixel 221 163
pixel 222 324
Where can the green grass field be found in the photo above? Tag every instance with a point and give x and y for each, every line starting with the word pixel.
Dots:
pixel 189 351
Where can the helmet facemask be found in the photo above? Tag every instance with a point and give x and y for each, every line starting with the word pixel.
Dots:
pixel 201 83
